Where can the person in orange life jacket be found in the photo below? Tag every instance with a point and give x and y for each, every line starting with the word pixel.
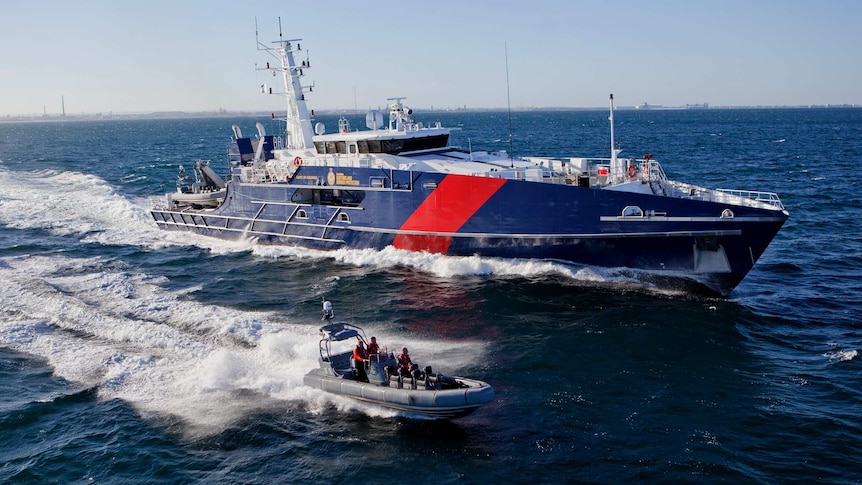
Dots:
pixel 404 363
pixel 373 348
pixel 360 355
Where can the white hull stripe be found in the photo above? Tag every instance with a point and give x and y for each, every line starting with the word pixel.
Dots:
pixel 734 232
pixel 688 219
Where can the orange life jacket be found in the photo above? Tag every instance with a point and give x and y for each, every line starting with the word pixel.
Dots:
pixel 359 354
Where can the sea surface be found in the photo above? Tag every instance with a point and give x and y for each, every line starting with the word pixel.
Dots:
pixel 133 355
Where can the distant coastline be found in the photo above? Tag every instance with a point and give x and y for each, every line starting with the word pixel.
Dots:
pixel 233 114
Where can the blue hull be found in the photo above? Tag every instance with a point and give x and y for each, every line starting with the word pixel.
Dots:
pixel 463 215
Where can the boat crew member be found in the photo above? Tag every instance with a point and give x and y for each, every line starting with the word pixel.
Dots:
pixel 404 363
pixel 373 348
pixel 359 357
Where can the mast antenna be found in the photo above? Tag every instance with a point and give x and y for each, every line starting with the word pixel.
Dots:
pixel 509 104
pixel 260 46
pixel 279 27
pixel 613 148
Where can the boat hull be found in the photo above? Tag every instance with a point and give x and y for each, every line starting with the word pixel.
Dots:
pixel 468 215
pixel 438 404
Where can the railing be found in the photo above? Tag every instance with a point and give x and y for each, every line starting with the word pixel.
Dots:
pixel 769 198
pixel 648 170
pixel 653 171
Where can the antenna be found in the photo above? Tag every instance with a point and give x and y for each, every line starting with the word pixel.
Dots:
pixel 509 104
pixel 279 27
pixel 260 46
pixel 613 150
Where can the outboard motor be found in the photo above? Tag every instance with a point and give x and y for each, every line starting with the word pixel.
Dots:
pixel 327 310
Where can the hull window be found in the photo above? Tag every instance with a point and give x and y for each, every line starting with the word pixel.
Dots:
pixel 350 198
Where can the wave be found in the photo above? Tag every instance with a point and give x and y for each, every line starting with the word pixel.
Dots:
pixel 841 355
pixel 73 204
pixel 127 336
pixel 450 267
pixel 782 267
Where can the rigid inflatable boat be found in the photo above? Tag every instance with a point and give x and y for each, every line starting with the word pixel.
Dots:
pixel 379 382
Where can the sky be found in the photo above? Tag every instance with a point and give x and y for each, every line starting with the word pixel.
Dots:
pixel 121 56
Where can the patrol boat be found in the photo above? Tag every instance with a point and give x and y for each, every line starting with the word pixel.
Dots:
pixel 403 185
pixel 421 393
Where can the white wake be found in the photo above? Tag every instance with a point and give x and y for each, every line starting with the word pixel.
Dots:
pixel 127 336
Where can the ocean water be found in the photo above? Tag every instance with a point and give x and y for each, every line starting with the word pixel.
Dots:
pixel 132 355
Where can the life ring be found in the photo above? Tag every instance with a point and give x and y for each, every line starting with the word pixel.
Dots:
pixel 297 162
pixel 633 171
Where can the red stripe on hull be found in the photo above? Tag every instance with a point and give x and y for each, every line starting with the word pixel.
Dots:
pixel 446 209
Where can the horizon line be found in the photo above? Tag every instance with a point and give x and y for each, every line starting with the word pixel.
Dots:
pixel 331 111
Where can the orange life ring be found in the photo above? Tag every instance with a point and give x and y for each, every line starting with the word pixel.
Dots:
pixel 633 171
pixel 297 162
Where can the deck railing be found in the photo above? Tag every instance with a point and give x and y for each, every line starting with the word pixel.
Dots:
pixel 770 198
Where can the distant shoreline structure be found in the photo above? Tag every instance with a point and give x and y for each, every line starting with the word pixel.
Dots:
pixel 221 113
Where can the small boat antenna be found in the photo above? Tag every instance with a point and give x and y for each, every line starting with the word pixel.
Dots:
pixel 509 104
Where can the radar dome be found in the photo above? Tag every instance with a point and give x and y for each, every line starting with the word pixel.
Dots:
pixel 374 120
